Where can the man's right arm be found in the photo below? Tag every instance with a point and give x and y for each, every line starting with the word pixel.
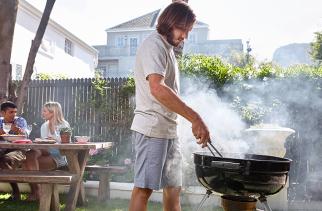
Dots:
pixel 171 100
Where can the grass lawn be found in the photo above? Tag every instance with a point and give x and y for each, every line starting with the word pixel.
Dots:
pixel 93 205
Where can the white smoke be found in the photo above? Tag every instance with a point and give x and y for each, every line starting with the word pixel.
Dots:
pixel 292 103
pixel 224 124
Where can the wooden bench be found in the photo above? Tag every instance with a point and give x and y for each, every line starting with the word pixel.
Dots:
pixel 104 173
pixel 48 180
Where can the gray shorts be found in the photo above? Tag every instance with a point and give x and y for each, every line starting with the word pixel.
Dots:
pixel 158 162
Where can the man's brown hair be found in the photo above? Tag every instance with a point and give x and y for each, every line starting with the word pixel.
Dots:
pixel 177 14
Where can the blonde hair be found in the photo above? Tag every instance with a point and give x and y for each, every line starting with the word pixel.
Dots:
pixel 55 108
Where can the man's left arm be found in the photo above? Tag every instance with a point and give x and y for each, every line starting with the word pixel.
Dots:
pixel 1 129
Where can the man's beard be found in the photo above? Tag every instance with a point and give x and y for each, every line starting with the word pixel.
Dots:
pixel 170 39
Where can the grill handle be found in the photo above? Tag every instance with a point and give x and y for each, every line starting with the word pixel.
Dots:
pixel 226 165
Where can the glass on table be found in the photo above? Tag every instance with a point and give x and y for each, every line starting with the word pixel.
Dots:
pixel 28 129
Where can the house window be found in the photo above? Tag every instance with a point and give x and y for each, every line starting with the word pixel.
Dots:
pixel 102 71
pixel 112 67
pixel 133 46
pixel 68 46
pixel 120 42
pixel 18 72
pixel 47 48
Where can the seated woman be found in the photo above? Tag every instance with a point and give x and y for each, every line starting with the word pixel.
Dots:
pixel 47 159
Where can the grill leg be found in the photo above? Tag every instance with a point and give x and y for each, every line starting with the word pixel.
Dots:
pixel 206 196
pixel 263 200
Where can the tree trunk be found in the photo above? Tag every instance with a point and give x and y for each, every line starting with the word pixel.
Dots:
pixel 32 54
pixel 8 14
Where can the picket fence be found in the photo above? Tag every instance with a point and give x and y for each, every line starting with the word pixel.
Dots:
pixel 104 117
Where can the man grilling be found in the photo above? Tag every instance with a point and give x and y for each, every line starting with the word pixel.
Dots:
pixel 158 156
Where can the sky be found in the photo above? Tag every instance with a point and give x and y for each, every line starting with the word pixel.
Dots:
pixel 267 24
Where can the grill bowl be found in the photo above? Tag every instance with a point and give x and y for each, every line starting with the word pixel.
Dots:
pixel 233 175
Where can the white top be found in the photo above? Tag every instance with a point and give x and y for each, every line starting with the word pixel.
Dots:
pixel 151 118
pixel 45 132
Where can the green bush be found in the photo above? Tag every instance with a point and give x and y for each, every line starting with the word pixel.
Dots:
pixel 50 76
pixel 212 68
pixel 129 87
pixel 220 73
pixel 234 81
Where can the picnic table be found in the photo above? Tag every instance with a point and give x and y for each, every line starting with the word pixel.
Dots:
pixel 77 156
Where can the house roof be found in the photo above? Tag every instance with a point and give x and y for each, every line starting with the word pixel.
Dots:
pixel 145 21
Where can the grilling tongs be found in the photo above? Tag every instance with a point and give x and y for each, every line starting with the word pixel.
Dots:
pixel 214 148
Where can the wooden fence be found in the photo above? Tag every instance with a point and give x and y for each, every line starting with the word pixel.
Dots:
pixel 105 115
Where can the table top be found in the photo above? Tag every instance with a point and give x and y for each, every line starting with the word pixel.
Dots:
pixel 72 146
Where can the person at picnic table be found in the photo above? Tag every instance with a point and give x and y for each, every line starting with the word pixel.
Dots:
pixel 47 159
pixel 158 159
pixel 10 158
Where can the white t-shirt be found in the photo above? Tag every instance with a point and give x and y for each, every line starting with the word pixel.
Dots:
pixel 151 118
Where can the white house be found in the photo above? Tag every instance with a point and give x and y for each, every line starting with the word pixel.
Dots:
pixel 117 57
pixel 61 52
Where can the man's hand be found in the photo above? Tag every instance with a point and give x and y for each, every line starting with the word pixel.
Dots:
pixel 2 131
pixel 200 131
pixel 17 130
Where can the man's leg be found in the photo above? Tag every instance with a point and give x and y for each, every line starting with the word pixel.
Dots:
pixel 139 199
pixel 6 164
pixel 13 160
pixel 31 163
pixel 149 162
pixel 38 160
pixel 171 199
pixel 15 191
pixel 172 177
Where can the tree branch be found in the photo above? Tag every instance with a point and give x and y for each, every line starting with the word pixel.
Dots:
pixel 32 54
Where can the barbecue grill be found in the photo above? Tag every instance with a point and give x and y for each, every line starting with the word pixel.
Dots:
pixel 241 177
